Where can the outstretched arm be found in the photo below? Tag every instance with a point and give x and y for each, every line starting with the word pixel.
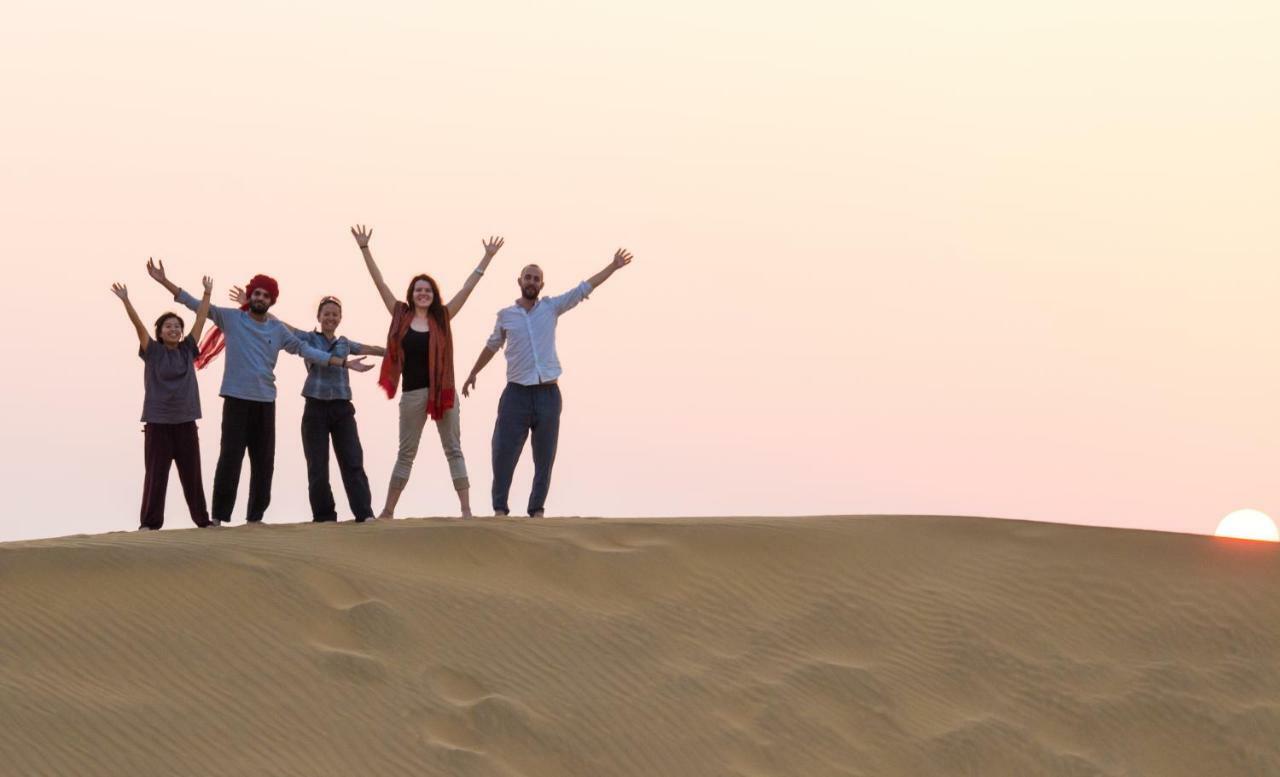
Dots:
pixel 491 247
pixel 621 258
pixel 202 312
pixel 362 234
pixel 123 293
pixel 485 356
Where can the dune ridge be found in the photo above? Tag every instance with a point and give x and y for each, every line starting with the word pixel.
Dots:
pixel 756 646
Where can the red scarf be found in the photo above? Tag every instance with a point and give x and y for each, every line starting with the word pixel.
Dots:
pixel 440 391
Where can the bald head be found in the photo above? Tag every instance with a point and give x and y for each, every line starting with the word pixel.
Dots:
pixel 530 281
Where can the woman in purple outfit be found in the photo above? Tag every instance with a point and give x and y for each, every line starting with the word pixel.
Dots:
pixel 170 407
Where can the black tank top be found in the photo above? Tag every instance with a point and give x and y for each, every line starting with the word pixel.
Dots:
pixel 415 372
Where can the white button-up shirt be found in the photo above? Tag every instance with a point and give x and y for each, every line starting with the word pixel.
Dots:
pixel 530 336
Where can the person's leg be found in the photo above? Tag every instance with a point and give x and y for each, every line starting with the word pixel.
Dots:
pixel 157 452
pixel 350 455
pixel 262 458
pixel 510 430
pixel 235 438
pixel 546 434
pixel 450 429
pixel 315 447
pixel 186 452
pixel 413 417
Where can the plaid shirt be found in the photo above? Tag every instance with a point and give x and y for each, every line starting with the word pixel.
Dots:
pixel 328 382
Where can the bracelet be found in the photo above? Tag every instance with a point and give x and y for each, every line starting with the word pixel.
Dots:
pixel 478 271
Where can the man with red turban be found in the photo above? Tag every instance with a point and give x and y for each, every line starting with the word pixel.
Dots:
pixel 252 340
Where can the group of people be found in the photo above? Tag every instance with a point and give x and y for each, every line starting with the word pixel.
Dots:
pixel 417 360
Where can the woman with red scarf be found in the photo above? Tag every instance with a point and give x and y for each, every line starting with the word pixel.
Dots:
pixel 419 360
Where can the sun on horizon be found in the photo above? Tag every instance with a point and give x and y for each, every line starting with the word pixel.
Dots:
pixel 1248 524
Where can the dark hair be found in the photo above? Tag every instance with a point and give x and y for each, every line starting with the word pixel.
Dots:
pixel 328 300
pixel 436 310
pixel 165 317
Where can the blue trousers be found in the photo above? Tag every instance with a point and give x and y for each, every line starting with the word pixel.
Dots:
pixel 521 410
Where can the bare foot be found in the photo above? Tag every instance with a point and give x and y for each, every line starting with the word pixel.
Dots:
pixel 385 516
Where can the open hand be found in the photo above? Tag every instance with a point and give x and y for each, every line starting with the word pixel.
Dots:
pixel 470 384
pixel 492 245
pixel 236 294
pixel 156 270
pixel 362 234
pixel 208 285
pixel 359 364
pixel 120 291
pixel 621 258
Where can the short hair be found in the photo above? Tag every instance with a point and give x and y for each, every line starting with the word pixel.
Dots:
pixel 165 317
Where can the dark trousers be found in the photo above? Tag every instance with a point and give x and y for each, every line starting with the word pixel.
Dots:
pixel 323 419
pixel 163 445
pixel 525 409
pixel 246 425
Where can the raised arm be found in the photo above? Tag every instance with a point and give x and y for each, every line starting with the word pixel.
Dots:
pixel 362 234
pixel 621 258
pixel 123 293
pixel 202 312
pixel 156 271
pixel 238 295
pixel 491 247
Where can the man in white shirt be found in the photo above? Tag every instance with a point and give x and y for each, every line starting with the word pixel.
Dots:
pixel 531 400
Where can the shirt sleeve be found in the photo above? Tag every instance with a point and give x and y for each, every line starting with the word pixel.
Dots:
pixel 498 337
pixel 354 348
pixel 216 314
pixel 142 352
pixel 296 347
pixel 563 303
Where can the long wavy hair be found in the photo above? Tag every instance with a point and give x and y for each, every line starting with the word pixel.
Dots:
pixel 436 310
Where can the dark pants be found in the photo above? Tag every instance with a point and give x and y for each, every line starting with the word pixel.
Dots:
pixel 163 445
pixel 523 409
pixel 334 418
pixel 245 425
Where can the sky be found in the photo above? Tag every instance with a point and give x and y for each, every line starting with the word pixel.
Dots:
pixel 915 257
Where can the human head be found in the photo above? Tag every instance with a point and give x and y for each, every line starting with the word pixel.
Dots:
pixel 329 313
pixel 423 293
pixel 169 327
pixel 530 281
pixel 263 292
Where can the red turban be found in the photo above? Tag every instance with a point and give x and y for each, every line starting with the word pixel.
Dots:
pixel 214 342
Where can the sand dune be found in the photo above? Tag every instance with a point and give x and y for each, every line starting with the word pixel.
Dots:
pixel 803 646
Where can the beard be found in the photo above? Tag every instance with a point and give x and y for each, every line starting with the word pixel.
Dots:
pixel 258 308
pixel 529 292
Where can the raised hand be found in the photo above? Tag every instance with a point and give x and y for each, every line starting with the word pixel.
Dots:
pixel 362 234
pixel 470 384
pixel 621 258
pixel 120 291
pixel 492 245
pixel 208 285
pixel 156 271
pixel 237 295
pixel 359 364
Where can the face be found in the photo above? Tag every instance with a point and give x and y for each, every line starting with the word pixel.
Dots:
pixel 530 282
pixel 171 331
pixel 260 301
pixel 330 316
pixel 422 294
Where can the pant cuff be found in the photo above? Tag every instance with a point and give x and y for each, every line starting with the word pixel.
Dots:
pixel 461 484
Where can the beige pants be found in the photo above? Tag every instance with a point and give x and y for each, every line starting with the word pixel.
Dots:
pixel 413 417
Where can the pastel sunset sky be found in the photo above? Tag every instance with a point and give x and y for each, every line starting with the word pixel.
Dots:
pixel 986 258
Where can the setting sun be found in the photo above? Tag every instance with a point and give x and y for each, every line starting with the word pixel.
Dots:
pixel 1248 525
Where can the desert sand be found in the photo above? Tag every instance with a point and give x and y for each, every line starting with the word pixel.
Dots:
pixel 658 647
